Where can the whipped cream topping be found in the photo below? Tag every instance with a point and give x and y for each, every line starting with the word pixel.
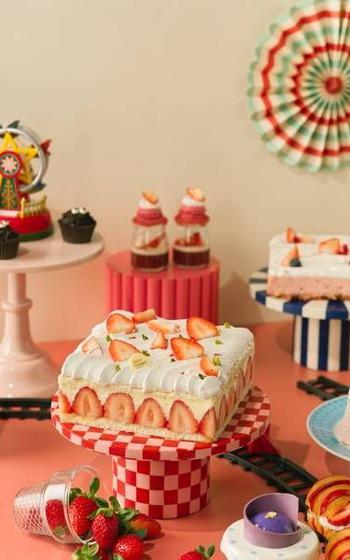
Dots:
pixel 146 205
pixel 313 262
pixel 161 372
pixel 189 201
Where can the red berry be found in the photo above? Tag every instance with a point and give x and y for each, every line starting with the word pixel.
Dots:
pixel 129 547
pixel 193 555
pixel 142 522
pixel 79 510
pixel 55 516
pixel 104 530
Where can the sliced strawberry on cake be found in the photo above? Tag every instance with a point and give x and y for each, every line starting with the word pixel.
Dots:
pixel 291 236
pixel 330 246
pixel 91 346
pixel 199 328
pixel 86 403
pixel 166 327
pixel 117 323
pixel 207 366
pixel 144 316
pixel 292 258
pixel 185 348
pixel 120 408
pixel 181 419
pixel 150 414
pixel 120 351
pixel 160 342
pixel 208 424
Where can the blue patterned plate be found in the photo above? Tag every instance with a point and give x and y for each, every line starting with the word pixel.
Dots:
pixel 321 423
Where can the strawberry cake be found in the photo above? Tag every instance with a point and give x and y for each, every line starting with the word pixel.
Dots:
pixel 308 267
pixel 139 373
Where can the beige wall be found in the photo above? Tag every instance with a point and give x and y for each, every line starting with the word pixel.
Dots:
pixel 151 93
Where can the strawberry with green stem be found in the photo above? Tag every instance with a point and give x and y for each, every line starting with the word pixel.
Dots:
pixel 82 505
pixel 90 552
pixel 55 517
pixel 200 553
pixel 105 524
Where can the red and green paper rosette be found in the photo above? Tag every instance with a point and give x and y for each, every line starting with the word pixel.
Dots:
pixel 299 85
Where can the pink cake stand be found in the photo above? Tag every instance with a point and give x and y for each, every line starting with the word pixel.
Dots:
pixel 167 478
pixel 26 371
pixel 175 293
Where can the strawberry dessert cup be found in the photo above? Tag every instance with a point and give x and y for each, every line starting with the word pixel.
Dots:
pixel 191 247
pixel 59 507
pixel 149 251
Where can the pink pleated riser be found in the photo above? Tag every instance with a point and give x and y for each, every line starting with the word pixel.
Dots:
pixel 162 489
pixel 177 296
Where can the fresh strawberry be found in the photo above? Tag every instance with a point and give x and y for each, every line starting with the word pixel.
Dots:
pixel 160 342
pixel 196 240
pixel 90 552
pixel 128 547
pixel 164 327
pixel 82 505
pixel 199 328
pixel 154 243
pixel 344 249
pixel 185 349
pixel 63 403
pixel 291 236
pixel 142 522
pixel 117 323
pixel 196 194
pixel 119 407
pixel 292 257
pixel 150 414
pixel 91 346
pixel 105 525
pixel 86 403
pixel 207 366
pixel 181 419
pixel 200 553
pixel 144 316
pixel 208 424
pixel 120 351
pixel 150 197
pixel 55 517
pixel 330 246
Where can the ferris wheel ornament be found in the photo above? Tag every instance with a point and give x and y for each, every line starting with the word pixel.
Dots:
pixel 23 164
pixel 299 86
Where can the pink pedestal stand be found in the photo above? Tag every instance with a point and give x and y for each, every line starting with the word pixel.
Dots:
pixel 25 370
pixel 175 293
pixel 167 478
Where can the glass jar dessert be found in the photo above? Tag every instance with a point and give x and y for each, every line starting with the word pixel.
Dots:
pixel 191 246
pixel 149 249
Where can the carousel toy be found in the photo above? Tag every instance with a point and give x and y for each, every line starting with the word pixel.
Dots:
pixel 23 164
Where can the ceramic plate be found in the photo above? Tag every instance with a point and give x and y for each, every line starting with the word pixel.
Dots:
pixel 321 423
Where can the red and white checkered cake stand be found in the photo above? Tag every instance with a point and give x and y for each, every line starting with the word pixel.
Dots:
pixel 167 478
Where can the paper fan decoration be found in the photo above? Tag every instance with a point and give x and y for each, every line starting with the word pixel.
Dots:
pixel 299 85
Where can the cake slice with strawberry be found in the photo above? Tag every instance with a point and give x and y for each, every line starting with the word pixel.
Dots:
pixel 180 379
pixel 308 267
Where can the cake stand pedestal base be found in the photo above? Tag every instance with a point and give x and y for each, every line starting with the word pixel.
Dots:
pixel 321 344
pixel 321 339
pixel 167 478
pixel 161 489
pixel 25 370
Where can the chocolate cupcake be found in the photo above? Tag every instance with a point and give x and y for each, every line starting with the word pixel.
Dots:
pixel 9 241
pixel 77 225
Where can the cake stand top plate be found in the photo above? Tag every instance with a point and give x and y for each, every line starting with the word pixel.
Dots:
pixel 52 253
pixel 248 423
pixel 312 309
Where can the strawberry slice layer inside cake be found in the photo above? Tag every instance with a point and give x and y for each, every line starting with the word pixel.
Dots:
pixel 180 379
pixel 309 266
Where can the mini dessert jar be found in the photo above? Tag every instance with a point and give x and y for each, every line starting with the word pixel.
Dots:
pixel 191 247
pixel 149 248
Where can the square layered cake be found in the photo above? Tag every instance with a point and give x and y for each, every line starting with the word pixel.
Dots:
pixel 180 379
pixel 308 267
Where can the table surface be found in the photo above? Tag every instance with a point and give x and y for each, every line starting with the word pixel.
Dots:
pixel 31 451
pixel 52 253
